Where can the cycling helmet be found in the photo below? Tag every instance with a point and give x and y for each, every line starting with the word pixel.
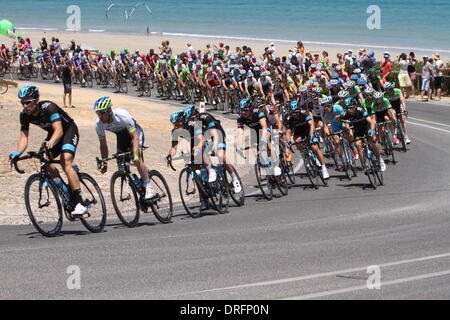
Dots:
pixel 103 104
pixel 378 95
pixel 256 69
pixel 139 59
pixel 117 58
pixel 334 82
pixel 163 62
pixel 209 69
pixel 361 82
pixel 318 90
pixel 313 66
pixel 338 68
pixel 303 89
pixel 349 102
pixel 354 77
pixel 369 91
pixel 334 75
pixel 326 101
pixel 343 94
pixel 190 112
pixel 357 71
pixel 29 92
pixel 245 104
pixel 293 106
pixel 242 72
pixel 249 74
pixel 318 74
pixel 351 84
pixel 389 85
pixel 226 70
pixel 177 116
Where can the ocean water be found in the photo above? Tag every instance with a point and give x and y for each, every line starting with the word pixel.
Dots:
pixel 406 24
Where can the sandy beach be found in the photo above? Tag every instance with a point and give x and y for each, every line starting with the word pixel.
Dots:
pixel 106 42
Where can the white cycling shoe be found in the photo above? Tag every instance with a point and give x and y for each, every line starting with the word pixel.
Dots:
pixel 237 188
pixel 277 171
pixel 382 165
pixel 149 192
pixel 212 175
pixel 79 210
pixel 325 173
pixel 407 141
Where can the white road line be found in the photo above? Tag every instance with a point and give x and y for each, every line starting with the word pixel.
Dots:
pixel 426 126
pixel 432 122
pixel 316 276
pixel 356 288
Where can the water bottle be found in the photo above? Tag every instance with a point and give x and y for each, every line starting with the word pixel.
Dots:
pixel 137 181
pixel 369 154
pixel 61 184
pixel 204 175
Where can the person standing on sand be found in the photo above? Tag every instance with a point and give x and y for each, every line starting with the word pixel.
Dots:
pixel 412 72
pixel 427 74
pixel 66 77
pixel 403 76
pixel 438 67
pixel 386 67
pixel 301 48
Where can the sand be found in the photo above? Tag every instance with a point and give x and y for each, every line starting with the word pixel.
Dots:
pixel 115 41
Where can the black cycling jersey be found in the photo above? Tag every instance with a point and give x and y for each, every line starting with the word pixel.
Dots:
pixel 299 125
pixel 256 114
pixel 49 112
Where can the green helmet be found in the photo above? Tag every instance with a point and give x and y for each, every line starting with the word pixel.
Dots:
pixel 103 104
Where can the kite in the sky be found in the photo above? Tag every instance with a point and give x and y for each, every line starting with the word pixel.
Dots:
pixel 127 9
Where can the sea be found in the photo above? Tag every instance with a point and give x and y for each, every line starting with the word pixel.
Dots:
pixel 400 25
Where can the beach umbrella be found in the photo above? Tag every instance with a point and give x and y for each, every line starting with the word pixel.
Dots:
pixel 7 29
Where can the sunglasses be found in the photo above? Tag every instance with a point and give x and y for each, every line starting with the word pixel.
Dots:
pixel 102 112
pixel 26 103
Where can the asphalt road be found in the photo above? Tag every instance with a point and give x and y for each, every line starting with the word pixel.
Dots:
pixel 310 244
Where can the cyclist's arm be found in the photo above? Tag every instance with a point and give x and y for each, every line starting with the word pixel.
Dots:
pixel 57 132
pixel 103 147
pixel 23 141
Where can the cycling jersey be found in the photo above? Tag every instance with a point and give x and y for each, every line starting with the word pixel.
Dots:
pixel 49 113
pixel 373 107
pixel 394 99
pixel 358 120
pixel 256 114
pixel 121 121
pixel 299 125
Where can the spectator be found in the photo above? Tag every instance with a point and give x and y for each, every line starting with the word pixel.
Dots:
pixel 386 67
pixel 427 74
pixel 403 76
pixel 340 59
pixel 66 77
pixel 325 59
pixel 366 63
pixel 168 48
pixel 438 67
pixel 361 54
pixel 301 48
pixel 272 49
pixel 190 50
pixel 43 44
pixel 412 72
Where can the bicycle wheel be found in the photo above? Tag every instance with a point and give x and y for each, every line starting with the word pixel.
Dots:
pixel 162 207
pixel 347 160
pixel 309 167
pixel 89 81
pixel 401 135
pixel 189 192
pixel 220 194
pixel 93 198
pixel 288 169
pixel 282 185
pixel 43 206
pixel 148 89
pixel 370 172
pixel 264 181
pixel 238 198
pixel 390 145
pixel 125 199
pixel 377 171
pixel 3 89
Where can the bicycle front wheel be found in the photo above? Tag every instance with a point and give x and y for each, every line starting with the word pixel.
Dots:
pixel 189 192
pixel 262 176
pixel 238 198
pixel 93 197
pixel 125 199
pixel 220 194
pixel 162 207
pixel 43 206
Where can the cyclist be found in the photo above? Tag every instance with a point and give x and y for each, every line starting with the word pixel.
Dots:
pixel 300 126
pixel 363 125
pixel 130 137
pixel 62 138
pixel 255 118
pixel 397 100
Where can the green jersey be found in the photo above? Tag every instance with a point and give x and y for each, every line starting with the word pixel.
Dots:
pixel 373 107
pixel 394 99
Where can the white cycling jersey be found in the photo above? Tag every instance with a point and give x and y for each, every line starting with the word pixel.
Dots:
pixel 121 121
